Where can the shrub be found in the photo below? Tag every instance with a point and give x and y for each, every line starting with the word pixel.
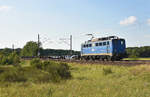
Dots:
pixel 45 64
pixel 4 61
pixel 107 71
pixel 13 75
pixel 11 59
pixel 53 71
pixel 36 63
pixel 63 70
pixel 57 71
pixel 39 71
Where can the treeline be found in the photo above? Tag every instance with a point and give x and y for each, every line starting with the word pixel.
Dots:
pixel 135 52
pixel 31 49
pixel 54 52
pixel 43 52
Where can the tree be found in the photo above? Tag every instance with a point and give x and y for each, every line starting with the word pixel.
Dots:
pixel 14 59
pixel 138 51
pixel 6 51
pixel 11 59
pixel 30 49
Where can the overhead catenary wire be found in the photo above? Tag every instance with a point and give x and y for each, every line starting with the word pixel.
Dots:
pixel 67 41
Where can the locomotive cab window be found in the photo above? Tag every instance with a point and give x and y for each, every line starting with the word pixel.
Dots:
pixel 100 44
pixel 87 45
pixel 90 45
pixel 122 42
pixel 104 43
pixel 107 42
pixel 96 44
pixel 84 46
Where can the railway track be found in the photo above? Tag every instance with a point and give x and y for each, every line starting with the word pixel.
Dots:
pixel 124 62
pixel 84 62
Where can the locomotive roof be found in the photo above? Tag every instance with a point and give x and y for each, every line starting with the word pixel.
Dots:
pixel 103 39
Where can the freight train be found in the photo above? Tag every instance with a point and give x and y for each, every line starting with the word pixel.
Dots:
pixel 110 48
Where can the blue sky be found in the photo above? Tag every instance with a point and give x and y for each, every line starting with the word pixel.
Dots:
pixel 22 20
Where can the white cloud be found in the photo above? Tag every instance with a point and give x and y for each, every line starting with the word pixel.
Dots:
pixel 4 8
pixel 128 21
pixel 148 21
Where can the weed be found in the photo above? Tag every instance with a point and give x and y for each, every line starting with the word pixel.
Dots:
pixel 36 63
pixel 107 71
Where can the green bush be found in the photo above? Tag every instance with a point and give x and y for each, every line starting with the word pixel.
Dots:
pixel 63 70
pixel 45 64
pixel 39 71
pixel 11 59
pixel 107 71
pixel 36 63
pixel 4 60
pixel 13 75
pixel 57 71
pixel 23 74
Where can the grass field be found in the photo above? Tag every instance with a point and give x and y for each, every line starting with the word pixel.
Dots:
pixel 136 59
pixel 88 81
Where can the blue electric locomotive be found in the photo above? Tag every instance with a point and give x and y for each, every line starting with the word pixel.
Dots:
pixel 106 48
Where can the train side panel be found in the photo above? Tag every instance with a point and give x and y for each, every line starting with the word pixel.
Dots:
pixel 98 48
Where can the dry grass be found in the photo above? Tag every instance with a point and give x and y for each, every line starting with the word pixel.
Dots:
pixel 136 59
pixel 88 81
